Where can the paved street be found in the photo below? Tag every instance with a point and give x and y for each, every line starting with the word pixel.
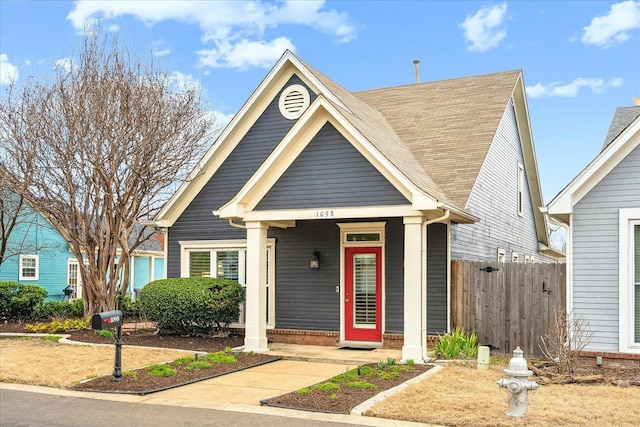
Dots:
pixel 21 408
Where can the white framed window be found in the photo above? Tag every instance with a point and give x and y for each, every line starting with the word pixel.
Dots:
pixel 227 259
pixel 514 256
pixel 629 280
pixel 362 233
pixel 501 255
pixel 29 267
pixel 520 200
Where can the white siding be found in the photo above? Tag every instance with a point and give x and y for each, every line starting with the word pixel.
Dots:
pixel 595 250
pixel 494 198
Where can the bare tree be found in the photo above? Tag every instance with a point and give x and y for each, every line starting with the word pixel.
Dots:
pixel 97 147
pixel 567 338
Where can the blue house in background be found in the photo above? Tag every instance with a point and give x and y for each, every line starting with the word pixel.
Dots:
pixel 38 254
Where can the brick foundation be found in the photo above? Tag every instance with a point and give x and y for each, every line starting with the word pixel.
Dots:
pixel 326 338
pixel 610 360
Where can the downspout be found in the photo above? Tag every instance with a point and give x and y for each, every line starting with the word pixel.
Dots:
pixel 233 224
pixel 423 286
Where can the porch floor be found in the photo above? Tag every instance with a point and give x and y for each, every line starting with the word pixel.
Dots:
pixel 330 354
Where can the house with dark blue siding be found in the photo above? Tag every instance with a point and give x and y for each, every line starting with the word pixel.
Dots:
pixel 601 209
pixel 341 211
pixel 38 254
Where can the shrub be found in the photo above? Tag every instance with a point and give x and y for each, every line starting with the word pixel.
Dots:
pixel 196 305
pixel 49 309
pixel 131 308
pixel 56 326
pixel 18 301
pixel 457 345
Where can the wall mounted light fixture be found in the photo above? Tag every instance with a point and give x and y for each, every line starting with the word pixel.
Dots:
pixel 315 260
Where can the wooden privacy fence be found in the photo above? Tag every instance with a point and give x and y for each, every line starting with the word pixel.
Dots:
pixel 507 304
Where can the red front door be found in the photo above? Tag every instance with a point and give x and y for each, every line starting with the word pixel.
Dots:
pixel 363 294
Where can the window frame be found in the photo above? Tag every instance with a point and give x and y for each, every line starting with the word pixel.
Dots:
pixel 628 219
pixel 520 196
pixel 21 267
pixel 240 245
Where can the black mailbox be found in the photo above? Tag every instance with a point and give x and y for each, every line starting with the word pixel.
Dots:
pixel 107 320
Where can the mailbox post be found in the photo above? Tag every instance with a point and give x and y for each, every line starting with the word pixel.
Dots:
pixel 109 320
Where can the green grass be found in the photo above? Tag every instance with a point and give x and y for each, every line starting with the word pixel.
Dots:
pixel 132 374
pixel 184 360
pixel 223 356
pixel 354 378
pixel 161 371
pixel 360 385
pixel 104 333
pixel 200 364
pixel 52 338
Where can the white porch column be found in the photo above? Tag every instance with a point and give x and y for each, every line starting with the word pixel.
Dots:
pixel 414 282
pixel 255 333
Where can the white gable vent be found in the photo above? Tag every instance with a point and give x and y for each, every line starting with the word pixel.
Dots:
pixel 293 101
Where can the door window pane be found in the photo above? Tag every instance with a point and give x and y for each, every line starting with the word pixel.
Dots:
pixel 363 237
pixel 364 307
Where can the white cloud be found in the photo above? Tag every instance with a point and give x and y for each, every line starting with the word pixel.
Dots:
pixel 245 54
pixel 163 52
pixel 571 90
pixel 219 120
pixel 65 64
pixel 237 29
pixel 8 71
pixel 483 30
pixel 613 28
pixel 181 81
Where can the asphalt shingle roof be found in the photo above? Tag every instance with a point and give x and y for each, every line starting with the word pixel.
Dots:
pixel 621 119
pixel 437 134
pixel 448 125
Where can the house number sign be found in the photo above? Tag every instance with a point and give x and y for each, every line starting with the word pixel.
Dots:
pixel 325 214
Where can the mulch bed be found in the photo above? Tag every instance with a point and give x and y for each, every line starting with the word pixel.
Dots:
pixel 342 401
pixel 140 382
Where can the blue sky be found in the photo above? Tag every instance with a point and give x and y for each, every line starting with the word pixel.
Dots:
pixel 581 59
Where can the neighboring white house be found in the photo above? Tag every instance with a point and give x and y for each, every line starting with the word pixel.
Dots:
pixel 601 206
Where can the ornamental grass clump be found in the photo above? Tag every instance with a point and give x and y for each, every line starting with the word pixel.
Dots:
pixel 457 345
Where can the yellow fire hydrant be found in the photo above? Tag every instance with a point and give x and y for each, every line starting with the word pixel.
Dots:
pixel 518 385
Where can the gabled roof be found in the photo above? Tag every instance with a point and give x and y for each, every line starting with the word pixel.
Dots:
pixel 433 136
pixel 626 139
pixel 447 125
pixel 621 119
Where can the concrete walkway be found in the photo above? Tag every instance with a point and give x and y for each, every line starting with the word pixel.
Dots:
pixel 302 365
